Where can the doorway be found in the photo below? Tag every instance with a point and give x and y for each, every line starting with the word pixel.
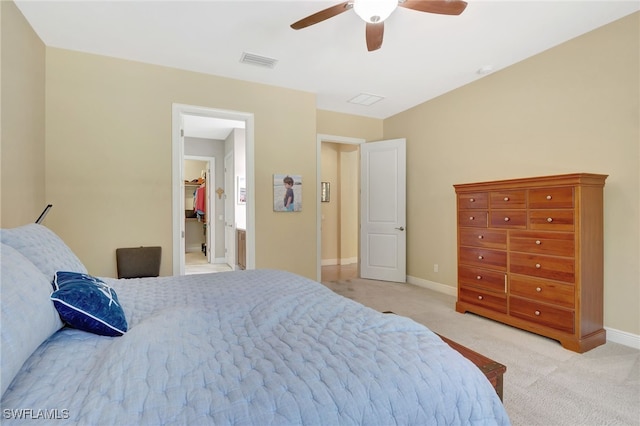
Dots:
pixel 182 115
pixel 338 215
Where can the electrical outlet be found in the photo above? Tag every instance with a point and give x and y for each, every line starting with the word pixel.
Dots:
pixel 435 267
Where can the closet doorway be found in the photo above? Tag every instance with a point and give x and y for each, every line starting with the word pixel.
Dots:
pixel 200 212
pixel 187 146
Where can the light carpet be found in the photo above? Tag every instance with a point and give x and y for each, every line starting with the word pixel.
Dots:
pixel 197 263
pixel 545 384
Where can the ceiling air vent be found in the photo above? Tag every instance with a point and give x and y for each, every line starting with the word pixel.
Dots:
pixel 365 99
pixel 261 61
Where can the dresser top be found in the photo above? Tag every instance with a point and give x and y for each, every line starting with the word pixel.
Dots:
pixel 590 179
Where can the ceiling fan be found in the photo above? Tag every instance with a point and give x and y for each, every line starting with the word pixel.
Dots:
pixel 374 12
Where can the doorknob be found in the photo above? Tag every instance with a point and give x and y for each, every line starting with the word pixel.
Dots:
pixel 401 228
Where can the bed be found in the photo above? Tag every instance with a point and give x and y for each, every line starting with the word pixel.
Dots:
pixel 250 347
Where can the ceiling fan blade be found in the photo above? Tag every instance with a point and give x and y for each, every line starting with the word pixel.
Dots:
pixel 375 32
pixel 327 13
pixel 443 7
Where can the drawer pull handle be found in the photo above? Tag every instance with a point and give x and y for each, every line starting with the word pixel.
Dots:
pixel 506 198
pixel 538 266
pixel 471 217
pixel 538 289
pixel 538 242
pixel 537 313
pixel 549 197
pixel 472 200
pixel 506 219
pixel 479 297
pixel 480 237
pixel 480 257
pixel 549 219
pixel 478 277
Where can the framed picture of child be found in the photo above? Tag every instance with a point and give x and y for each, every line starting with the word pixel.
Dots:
pixel 287 192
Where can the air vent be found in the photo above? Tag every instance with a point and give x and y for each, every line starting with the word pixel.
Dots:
pixel 365 99
pixel 261 61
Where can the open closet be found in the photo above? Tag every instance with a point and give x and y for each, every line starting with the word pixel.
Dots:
pixel 195 207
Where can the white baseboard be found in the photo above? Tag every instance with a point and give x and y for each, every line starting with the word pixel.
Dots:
pixel 623 338
pixel 613 335
pixel 219 260
pixel 349 261
pixel 432 285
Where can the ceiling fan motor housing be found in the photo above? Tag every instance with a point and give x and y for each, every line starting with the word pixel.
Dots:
pixel 374 11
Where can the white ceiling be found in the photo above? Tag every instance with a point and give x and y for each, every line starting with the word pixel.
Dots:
pixel 423 55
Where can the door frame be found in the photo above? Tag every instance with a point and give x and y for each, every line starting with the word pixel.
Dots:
pixel 333 139
pixel 177 155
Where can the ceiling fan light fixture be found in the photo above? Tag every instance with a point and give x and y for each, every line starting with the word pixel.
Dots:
pixel 374 11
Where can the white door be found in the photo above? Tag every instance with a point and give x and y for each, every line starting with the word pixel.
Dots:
pixel 383 236
pixel 229 212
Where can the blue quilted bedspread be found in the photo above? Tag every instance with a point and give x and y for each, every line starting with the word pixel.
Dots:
pixel 254 348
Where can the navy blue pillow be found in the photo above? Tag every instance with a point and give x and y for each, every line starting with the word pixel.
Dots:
pixel 88 303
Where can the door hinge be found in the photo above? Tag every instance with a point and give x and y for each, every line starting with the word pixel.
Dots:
pixel 182 133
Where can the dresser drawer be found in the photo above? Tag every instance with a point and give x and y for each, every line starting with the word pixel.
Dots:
pixel 508 219
pixel 551 198
pixel 553 268
pixel 473 218
pixel 475 200
pixel 551 220
pixel 540 313
pixel 552 292
pixel 554 243
pixel 483 238
pixel 482 278
pixel 486 299
pixel 484 258
pixel 508 199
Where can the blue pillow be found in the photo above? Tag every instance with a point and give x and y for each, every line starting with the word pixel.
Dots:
pixel 88 303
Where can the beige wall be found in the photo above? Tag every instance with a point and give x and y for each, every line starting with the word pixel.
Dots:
pixel 347 125
pixel 193 170
pixel 573 108
pixel 22 132
pixel 109 156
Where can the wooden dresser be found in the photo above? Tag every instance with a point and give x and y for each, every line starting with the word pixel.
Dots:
pixel 530 254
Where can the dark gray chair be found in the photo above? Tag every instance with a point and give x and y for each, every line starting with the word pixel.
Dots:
pixel 138 262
